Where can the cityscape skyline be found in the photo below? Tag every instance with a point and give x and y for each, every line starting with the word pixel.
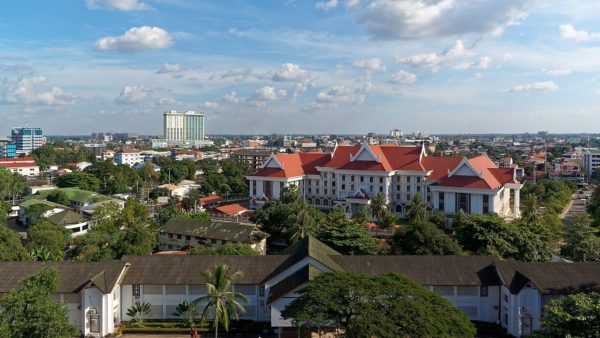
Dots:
pixel 301 67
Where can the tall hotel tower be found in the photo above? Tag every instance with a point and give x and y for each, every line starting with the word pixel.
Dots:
pixel 186 128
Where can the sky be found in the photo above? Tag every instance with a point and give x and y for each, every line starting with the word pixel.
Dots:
pixel 74 67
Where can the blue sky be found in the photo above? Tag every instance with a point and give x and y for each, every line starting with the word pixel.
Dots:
pixel 304 66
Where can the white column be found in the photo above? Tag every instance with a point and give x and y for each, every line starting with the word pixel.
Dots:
pixel 517 203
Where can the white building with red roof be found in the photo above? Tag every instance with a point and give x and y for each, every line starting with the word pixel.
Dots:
pixel 24 166
pixel 351 175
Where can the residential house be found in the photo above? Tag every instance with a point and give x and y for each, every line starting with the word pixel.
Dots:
pixel 24 166
pixel 177 234
pixel 128 156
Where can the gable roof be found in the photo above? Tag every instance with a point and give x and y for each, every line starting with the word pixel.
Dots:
pixel 188 269
pixel 231 209
pixel 308 247
pixel 294 165
pixel 551 278
pixel 66 217
pixel 426 270
pixel 73 275
pixel 228 231
pixel 292 282
pixel 486 176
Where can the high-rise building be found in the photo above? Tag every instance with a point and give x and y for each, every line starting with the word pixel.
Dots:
pixel 184 128
pixel 27 139
pixel 7 149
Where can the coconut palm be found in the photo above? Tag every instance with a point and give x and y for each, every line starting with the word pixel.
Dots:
pixel 530 210
pixel 378 207
pixel 302 223
pixel 416 210
pixel 186 311
pixel 138 312
pixel 220 300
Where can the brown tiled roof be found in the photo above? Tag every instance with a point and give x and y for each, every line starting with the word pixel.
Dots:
pixel 551 278
pixel 228 231
pixel 292 282
pixel 155 270
pixel 73 275
pixel 426 270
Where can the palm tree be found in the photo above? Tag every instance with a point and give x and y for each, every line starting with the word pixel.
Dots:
pixel 417 210
pixel 378 207
pixel 530 210
pixel 221 301
pixel 302 223
pixel 187 311
pixel 138 312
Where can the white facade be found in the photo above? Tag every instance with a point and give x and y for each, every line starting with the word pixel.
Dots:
pixel 591 161
pixel 128 157
pixel 181 127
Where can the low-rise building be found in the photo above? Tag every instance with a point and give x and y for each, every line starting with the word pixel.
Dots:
pixel 254 158
pixel 24 166
pixel 509 293
pixel 178 234
pixel 128 156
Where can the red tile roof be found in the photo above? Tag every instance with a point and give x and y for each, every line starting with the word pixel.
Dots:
pixel 295 165
pixel 231 209
pixel 17 160
pixel 210 200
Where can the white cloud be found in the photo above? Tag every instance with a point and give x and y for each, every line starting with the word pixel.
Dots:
pixel 131 95
pixel 411 19
pixel 541 86
pixel 121 5
pixel 433 61
pixel 166 68
pixel 482 63
pixel 558 72
pixel 330 4
pixel 343 94
pixel 404 77
pixel 373 64
pixel 167 101
pixel 230 98
pixel 135 39
pixel 289 72
pixel 210 105
pixel 268 93
pixel 27 91
pixel 569 32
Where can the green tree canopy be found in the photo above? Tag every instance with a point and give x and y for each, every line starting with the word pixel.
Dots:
pixel 58 197
pixel 11 248
pixel 53 237
pixel 237 249
pixel 79 179
pixel 576 315
pixel 423 239
pixel 376 306
pixel 30 311
pixel 581 239
pixel 345 236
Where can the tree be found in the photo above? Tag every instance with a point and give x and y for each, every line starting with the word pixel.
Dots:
pixel 290 194
pixel 530 210
pixel 362 216
pixel 4 210
pixel 491 235
pixel 52 237
pixel 81 180
pixel 31 312
pixel 301 223
pixel 423 239
pixel 138 312
pixel 382 306
pixel 186 311
pixel 378 207
pixel 221 301
pixel 576 315
pixel 11 248
pixel 344 236
pixel 417 210
pixel 582 242
pixel 58 197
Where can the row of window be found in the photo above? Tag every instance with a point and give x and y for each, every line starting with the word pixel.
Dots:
pixel 192 289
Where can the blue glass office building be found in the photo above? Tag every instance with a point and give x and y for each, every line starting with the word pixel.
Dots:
pixel 26 139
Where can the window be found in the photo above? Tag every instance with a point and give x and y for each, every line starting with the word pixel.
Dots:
pixel 407 179
pixel 136 290
pixel 506 298
pixel 418 179
pixel 249 290
pixel 178 236
pixel 371 179
pixel 408 188
pixel 197 289
pixel 175 289
pixel 380 189
pixel 343 187
pixel 441 200
pixel 352 178
pixel 444 290
pixel 261 292
pixel 188 238
pixel 469 291
pixel 486 204
pixel 352 187
pixel 483 291
pixel 362 179
pixel 381 180
pixel 343 177
pixel 153 289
